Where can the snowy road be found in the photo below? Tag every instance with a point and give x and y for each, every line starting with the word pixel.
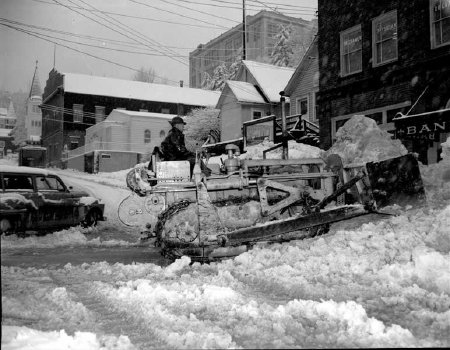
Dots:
pixel 370 283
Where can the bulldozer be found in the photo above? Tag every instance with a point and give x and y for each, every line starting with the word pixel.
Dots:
pixel 246 202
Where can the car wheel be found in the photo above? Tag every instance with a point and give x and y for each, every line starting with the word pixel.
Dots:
pixel 91 219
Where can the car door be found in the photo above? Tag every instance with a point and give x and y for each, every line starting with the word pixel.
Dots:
pixel 20 188
pixel 57 204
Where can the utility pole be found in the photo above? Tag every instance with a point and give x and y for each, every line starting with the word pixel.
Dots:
pixel 243 31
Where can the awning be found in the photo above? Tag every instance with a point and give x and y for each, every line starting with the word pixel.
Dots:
pixel 427 125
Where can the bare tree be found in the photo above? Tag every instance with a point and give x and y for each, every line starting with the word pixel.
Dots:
pixel 145 75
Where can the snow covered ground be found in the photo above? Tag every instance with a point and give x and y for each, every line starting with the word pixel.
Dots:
pixel 376 282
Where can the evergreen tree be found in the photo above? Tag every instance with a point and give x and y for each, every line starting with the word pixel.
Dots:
pixel 221 74
pixel 283 51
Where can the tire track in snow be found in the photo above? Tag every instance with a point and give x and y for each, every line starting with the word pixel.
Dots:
pixel 107 320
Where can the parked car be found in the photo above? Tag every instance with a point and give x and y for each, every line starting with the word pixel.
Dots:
pixel 37 200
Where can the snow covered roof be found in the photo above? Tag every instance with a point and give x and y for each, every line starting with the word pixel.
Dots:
pixel 145 114
pixel 245 92
pixel 3 111
pixel 25 170
pixel 93 85
pixel 271 79
pixel 5 132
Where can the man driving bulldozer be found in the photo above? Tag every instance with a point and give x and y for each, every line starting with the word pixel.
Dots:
pixel 173 147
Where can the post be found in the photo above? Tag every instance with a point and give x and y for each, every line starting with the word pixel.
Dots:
pixel 243 31
pixel 285 154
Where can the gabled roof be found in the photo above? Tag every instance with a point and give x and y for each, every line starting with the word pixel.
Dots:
pixel 311 54
pixel 245 92
pixel 101 86
pixel 271 79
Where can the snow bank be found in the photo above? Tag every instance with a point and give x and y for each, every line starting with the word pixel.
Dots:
pixel 25 338
pixel 436 178
pixel 360 140
pixel 74 236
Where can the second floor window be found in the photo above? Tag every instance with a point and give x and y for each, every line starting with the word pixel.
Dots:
pixel 384 33
pixel 99 114
pixel 351 51
pixel 440 22
pixel 77 113
pixel 147 136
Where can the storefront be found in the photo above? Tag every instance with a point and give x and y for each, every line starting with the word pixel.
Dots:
pixel 423 133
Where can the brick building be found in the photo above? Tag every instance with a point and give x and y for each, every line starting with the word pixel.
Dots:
pixel 73 102
pixel 260 35
pixel 379 58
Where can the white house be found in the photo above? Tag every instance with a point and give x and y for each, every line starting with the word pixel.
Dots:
pixel 122 140
pixel 254 94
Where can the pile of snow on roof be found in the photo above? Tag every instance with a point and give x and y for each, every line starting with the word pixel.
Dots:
pixel 360 140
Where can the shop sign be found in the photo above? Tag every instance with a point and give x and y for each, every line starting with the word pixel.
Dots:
pixel 427 126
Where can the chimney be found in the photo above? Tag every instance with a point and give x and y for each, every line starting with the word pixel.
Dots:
pixel 181 83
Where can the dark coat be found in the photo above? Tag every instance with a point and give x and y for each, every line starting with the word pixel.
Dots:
pixel 173 147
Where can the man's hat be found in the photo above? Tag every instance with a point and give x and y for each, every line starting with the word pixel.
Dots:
pixel 177 120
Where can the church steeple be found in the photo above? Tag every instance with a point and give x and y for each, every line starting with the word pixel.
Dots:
pixel 35 84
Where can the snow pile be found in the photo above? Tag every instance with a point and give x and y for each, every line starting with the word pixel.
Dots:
pixel 360 140
pixel 382 284
pixel 74 236
pixel 25 338
pixel 436 178
pixel 296 151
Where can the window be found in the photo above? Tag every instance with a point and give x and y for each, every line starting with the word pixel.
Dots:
pixel 48 184
pixel 77 113
pixel 302 107
pixel 162 134
pixel 377 116
pixel 351 51
pixel 440 22
pixel 383 117
pixel 228 49
pixel 256 31
pixel 165 110
pixel 384 34
pixel 256 113
pixel 313 117
pixel 147 136
pixel 99 114
pixel 272 30
pixel 18 182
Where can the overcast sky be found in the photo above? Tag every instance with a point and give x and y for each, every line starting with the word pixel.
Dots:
pixel 162 31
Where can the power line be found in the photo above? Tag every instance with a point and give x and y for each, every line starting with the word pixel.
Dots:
pixel 145 38
pixel 117 31
pixel 203 12
pixel 79 51
pixel 135 17
pixel 174 13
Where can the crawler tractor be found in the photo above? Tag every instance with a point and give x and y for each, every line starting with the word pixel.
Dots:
pixel 263 200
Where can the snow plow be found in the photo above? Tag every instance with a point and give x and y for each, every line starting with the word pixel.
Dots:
pixel 249 201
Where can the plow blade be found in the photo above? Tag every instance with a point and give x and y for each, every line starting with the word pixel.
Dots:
pixel 271 229
pixel 396 181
